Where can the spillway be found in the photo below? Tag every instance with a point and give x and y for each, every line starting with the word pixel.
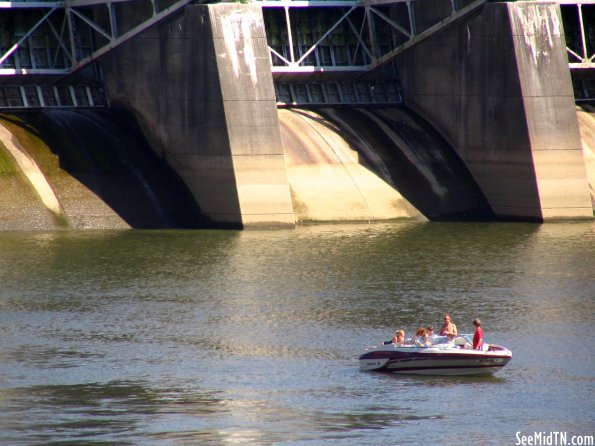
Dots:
pixel 93 169
pixel 96 166
pixel 374 164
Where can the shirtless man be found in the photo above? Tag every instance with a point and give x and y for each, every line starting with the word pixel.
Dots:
pixel 449 328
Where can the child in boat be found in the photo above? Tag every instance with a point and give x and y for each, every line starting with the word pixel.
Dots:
pixel 421 338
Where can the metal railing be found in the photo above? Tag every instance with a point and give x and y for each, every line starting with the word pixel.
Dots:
pixel 42 96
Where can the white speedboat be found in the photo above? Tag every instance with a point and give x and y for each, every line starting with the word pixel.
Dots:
pixel 443 357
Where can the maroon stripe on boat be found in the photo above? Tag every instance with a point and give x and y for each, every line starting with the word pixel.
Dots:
pixel 408 369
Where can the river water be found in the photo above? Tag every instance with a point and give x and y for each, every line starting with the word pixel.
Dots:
pixel 230 337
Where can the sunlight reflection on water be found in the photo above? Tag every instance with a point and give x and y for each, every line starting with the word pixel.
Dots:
pixel 213 337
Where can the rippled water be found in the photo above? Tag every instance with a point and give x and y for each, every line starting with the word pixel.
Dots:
pixel 224 337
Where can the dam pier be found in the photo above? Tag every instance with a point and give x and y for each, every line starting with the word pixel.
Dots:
pixel 270 113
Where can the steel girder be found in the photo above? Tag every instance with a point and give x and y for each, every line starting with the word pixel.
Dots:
pixel 581 57
pixel 584 56
pixel 361 18
pixel 70 22
pixel 76 20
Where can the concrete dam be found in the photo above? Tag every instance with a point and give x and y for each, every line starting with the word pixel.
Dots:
pixel 342 164
pixel 200 129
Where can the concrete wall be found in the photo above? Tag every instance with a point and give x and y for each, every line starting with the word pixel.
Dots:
pixel 330 176
pixel 497 86
pixel 201 87
pixel 586 121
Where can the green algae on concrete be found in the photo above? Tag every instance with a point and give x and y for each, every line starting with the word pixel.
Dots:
pixel 100 170
pixel 28 169
pixel 21 205
pixel 7 166
pixel 27 136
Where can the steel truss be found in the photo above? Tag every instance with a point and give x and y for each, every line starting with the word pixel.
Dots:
pixel 357 40
pixel 297 57
pixel 72 25
pixel 327 93
pixel 581 51
pixel 68 22
pixel 28 96
pixel 340 52
pixel 362 20
pixel 309 61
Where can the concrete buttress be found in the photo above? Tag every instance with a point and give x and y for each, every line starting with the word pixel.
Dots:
pixel 498 87
pixel 201 87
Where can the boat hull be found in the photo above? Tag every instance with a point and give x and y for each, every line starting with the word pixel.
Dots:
pixel 431 361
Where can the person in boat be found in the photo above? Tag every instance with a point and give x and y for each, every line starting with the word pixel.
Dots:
pixel 421 338
pixel 449 328
pixel 399 337
pixel 430 330
pixel 477 335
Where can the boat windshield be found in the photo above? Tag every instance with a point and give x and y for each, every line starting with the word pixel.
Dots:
pixel 437 340
pixel 467 337
pixel 463 340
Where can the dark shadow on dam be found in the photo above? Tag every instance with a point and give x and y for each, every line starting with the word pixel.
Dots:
pixel 416 160
pixel 107 153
